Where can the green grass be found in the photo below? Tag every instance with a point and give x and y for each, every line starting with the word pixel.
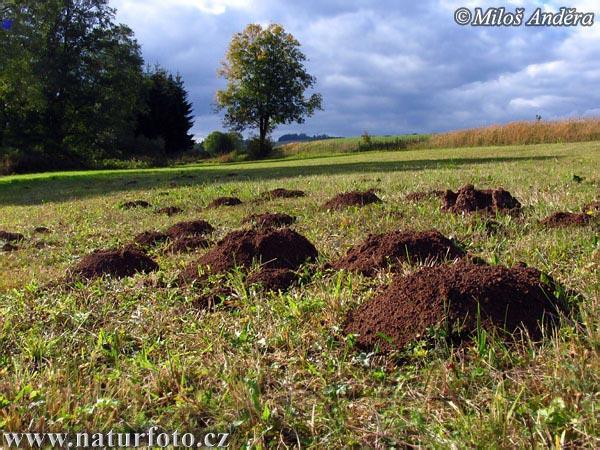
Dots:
pixel 342 145
pixel 277 369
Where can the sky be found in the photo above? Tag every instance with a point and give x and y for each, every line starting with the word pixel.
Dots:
pixel 386 66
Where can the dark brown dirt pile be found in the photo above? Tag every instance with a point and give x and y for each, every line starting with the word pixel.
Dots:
pixel 566 219
pixel 224 201
pixel 150 238
pixel 354 198
pixel 468 199
pixel 389 249
pixel 135 204
pixel 187 244
pixel 448 295
pixel 41 230
pixel 270 220
pixel 117 263
pixel 9 236
pixel 169 210
pixel 282 193
pixel 273 279
pixel 275 249
pixel 192 228
pixel 419 196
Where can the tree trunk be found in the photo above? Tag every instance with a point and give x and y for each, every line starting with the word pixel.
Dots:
pixel 263 129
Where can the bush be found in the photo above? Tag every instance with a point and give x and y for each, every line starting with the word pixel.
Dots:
pixel 370 145
pixel 256 151
pixel 218 143
pixel 141 145
pixel 366 138
pixel 35 160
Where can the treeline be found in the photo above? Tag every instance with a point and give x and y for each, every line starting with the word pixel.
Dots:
pixel 75 93
pixel 294 137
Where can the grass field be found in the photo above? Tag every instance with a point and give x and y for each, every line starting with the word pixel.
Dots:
pixel 277 371
pixel 335 146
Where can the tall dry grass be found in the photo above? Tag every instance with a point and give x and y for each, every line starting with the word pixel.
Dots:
pixel 519 133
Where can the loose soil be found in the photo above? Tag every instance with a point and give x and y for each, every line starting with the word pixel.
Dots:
pixel 135 204
pixel 224 201
pixel 282 193
pixel 9 236
pixel 419 196
pixel 275 249
pixel 566 219
pixel 450 295
pixel 390 249
pixel 41 230
pixel 270 220
pixel 354 198
pixel 117 263
pixel 273 279
pixel 468 199
pixel 150 238
pixel 192 228
pixel 169 210
pixel 187 244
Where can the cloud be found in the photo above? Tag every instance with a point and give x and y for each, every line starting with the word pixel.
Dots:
pixel 385 66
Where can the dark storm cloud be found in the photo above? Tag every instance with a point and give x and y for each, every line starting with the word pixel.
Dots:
pixel 385 66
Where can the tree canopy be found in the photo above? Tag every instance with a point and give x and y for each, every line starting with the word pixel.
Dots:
pixel 168 113
pixel 73 88
pixel 81 72
pixel 266 81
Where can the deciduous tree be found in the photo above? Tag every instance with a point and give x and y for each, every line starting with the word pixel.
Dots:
pixel 266 81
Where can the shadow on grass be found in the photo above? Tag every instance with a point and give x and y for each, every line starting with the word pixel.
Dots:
pixel 67 187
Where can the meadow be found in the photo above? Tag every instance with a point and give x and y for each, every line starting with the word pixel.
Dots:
pixel 276 369
pixel 334 146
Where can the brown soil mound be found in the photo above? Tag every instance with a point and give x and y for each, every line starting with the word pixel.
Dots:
pixel 383 250
pixel 282 193
pixel 565 219
pixel 192 228
pixel 11 237
pixel 592 208
pixel 449 295
pixel 270 220
pixel 225 201
pixel 275 249
pixel 169 210
pixel 135 204
pixel 117 263
pixel 354 198
pixel 187 244
pixel 41 230
pixel 150 238
pixel 273 279
pixel 468 199
pixel 419 196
